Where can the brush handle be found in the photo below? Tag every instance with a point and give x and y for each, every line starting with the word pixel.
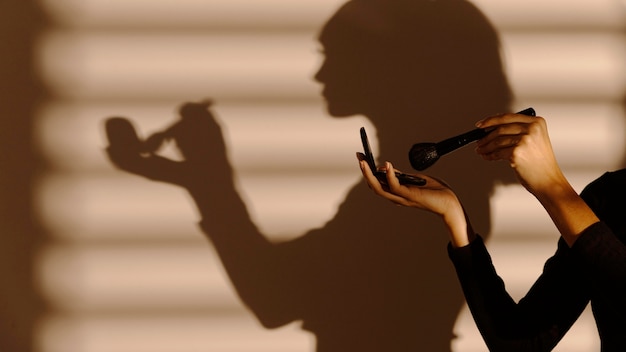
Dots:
pixel 451 144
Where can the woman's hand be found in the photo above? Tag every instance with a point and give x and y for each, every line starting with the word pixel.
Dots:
pixel 435 197
pixel 523 141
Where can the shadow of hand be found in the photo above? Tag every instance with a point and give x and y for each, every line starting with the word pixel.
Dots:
pixel 197 135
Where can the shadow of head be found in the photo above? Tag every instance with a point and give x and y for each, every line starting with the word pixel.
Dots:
pixel 392 56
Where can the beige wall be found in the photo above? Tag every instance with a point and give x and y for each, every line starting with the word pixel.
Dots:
pixel 109 233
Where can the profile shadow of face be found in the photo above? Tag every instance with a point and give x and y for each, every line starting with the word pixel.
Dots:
pixel 422 69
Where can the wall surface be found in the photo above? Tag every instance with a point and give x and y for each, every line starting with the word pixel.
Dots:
pixel 123 265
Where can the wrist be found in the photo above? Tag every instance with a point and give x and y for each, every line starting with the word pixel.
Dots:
pixel 555 193
pixel 459 227
pixel 549 183
pixel 570 214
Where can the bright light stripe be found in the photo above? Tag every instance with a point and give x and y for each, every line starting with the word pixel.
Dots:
pixel 129 208
pixel 585 135
pixel 301 137
pixel 115 208
pixel 554 13
pixel 90 65
pixel 566 65
pixel 516 214
pixel 119 278
pixel 132 209
pixel 298 136
pixel 176 333
pixel 276 13
pixel 190 13
pixel 116 66
pixel 145 278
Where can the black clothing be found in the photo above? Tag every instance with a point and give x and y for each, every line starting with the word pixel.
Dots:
pixel 594 269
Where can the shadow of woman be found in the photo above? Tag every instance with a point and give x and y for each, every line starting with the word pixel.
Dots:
pixel 376 276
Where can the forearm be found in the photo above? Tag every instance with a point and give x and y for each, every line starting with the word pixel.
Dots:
pixel 225 216
pixel 570 214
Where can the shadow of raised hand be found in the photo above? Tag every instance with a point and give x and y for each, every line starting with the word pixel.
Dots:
pixel 198 137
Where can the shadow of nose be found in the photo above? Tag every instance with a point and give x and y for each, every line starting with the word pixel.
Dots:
pixel 318 76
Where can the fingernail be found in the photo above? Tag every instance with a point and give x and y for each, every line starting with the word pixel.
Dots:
pixel 479 123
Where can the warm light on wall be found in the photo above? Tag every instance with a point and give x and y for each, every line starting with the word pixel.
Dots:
pixel 127 268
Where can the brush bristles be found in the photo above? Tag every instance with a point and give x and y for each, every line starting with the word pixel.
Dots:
pixel 423 155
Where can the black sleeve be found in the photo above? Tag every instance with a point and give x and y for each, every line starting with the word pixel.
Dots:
pixel 540 319
pixel 602 246
pixel 603 256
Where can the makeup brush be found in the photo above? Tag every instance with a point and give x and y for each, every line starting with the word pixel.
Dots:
pixel 424 155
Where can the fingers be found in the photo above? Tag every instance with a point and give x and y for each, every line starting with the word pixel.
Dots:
pixel 154 142
pixel 372 181
pixel 501 140
pixel 390 174
pixel 502 153
pixel 121 134
pixel 192 108
pixel 507 132
pixel 391 191
pixel 123 138
pixel 502 119
pixel 199 135
pixel 130 153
